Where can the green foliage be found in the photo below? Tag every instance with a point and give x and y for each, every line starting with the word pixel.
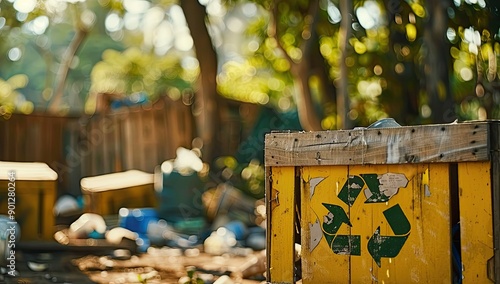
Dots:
pixel 254 81
pixel 385 49
pixel 10 98
pixel 387 52
pixel 263 76
pixel 247 177
pixel 475 51
pixel 40 39
pixel 193 277
pixel 133 71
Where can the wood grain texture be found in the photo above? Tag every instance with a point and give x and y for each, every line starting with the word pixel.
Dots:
pixel 476 223
pixel 424 257
pixel 281 242
pixel 34 201
pixel 495 184
pixel 459 142
pixel 321 184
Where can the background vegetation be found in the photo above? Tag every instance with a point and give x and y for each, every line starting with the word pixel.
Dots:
pixel 336 63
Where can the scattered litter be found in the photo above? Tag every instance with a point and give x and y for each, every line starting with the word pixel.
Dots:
pixel 37 267
pixel 220 242
pixel 116 235
pixel 86 224
pixel 224 279
pixel 68 205
pixel 255 265
pixel 194 252
pixel 121 254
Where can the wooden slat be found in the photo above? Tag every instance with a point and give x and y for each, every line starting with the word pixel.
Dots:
pixel 495 184
pixel 149 151
pixel 476 229
pixel 321 185
pixel 127 132
pixel 139 141
pixel 4 142
pixel 433 250
pixel 168 126
pixel 118 162
pixel 153 153
pixel 281 206
pixel 175 125
pixel 97 154
pixel 161 136
pixel 106 147
pixel 410 144
pixel 20 139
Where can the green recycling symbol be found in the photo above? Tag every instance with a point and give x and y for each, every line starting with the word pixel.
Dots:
pixel 379 189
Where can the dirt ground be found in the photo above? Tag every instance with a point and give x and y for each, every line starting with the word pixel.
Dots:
pixel 54 264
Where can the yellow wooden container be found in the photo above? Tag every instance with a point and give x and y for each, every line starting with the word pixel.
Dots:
pixel 414 204
pixel 34 189
pixel 106 194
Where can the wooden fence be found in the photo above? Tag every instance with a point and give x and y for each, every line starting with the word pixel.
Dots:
pixel 134 138
pixel 129 138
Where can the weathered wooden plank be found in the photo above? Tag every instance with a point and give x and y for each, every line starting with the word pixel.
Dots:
pixel 434 226
pixel 153 144
pixel 142 140
pixel 370 220
pixel 281 242
pixel 476 223
pixel 128 146
pixel 322 185
pixel 495 184
pixel 458 142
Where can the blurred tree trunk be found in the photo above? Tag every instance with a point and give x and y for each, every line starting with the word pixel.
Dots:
pixel 308 117
pixel 206 103
pixel 437 62
pixel 319 68
pixel 403 104
pixel 343 101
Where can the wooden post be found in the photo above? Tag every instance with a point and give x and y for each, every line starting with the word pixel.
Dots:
pixel 281 206
pixel 495 184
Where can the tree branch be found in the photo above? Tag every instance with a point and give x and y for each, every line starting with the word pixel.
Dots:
pixel 49 59
pixel 311 16
pixel 273 30
pixel 62 73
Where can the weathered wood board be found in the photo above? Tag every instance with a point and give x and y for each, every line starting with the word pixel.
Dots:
pixel 281 202
pixel 415 144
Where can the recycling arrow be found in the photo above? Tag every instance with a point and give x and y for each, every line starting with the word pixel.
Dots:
pixel 374 186
pixel 351 189
pixel 382 187
pixel 340 244
pixel 389 246
pixel 334 219
pixel 377 189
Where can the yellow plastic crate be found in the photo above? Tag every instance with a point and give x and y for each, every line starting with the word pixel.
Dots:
pixel 35 187
pixel 106 194
pixel 382 205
